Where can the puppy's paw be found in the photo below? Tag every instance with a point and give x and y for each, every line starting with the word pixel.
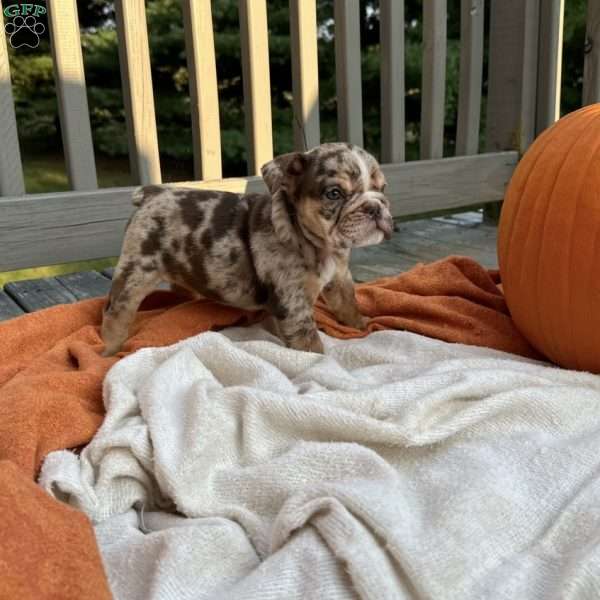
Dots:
pixel 316 345
pixel 353 319
pixel 108 352
pixel 358 322
pixel 310 343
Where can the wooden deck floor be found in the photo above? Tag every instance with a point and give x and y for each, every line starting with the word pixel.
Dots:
pixel 414 242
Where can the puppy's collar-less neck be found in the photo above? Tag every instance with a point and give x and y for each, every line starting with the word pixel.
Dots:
pixel 292 213
pixel 320 252
pixel 291 209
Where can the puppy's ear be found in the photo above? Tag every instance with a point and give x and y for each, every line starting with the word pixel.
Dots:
pixel 378 178
pixel 282 169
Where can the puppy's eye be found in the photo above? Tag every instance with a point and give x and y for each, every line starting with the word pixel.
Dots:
pixel 333 194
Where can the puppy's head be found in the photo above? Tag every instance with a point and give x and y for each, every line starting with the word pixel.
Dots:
pixel 336 193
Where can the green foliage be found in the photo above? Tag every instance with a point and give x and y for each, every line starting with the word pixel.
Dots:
pixel 47 172
pixel 37 108
pixel 35 101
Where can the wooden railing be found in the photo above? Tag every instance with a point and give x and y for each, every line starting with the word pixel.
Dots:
pixel 523 99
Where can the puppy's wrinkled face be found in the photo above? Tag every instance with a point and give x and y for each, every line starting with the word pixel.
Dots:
pixel 337 192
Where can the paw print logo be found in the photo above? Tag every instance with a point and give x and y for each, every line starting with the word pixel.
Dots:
pixel 24 31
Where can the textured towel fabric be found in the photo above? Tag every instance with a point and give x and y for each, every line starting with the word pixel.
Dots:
pixel 396 466
pixel 51 370
pixel 454 299
pixel 51 397
pixel 48 549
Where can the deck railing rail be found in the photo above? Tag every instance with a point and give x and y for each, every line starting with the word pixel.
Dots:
pixel 523 98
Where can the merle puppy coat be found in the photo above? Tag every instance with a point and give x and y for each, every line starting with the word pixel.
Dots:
pixel 275 251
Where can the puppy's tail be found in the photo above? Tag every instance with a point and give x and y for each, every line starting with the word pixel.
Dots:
pixel 138 196
pixel 141 195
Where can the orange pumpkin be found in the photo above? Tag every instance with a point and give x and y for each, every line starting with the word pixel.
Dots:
pixel 549 242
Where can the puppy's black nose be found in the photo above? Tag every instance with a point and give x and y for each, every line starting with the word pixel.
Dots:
pixel 374 211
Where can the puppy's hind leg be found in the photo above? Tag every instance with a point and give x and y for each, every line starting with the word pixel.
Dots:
pixel 131 284
pixel 184 291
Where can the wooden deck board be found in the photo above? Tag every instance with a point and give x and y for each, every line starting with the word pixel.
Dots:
pixel 414 242
pixel 8 307
pixel 424 250
pixel 35 294
pixel 379 259
pixel 89 284
pixel 466 239
pixel 428 240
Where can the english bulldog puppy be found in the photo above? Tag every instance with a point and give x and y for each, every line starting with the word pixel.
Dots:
pixel 275 251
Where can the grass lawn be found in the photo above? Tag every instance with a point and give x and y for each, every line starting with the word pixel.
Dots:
pixel 53 270
pixel 49 173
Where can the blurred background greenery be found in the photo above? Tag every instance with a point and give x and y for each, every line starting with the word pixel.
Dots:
pixel 37 111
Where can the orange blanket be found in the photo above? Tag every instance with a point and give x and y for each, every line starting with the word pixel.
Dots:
pixel 51 376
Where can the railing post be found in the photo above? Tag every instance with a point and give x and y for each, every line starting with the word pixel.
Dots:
pixel 254 37
pixel 550 63
pixel 305 73
pixel 512 80
pixel 138 94
pixel 71 92
pixel 471 73
pixel 202 69
pixel 393 112
pixel 348 71
pixel 433 88
pixel 591 73
pixel 11 168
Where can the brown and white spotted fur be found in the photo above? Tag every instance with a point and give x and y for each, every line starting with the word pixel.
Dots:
pixel 257 251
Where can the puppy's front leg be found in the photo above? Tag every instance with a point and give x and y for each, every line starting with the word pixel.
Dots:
pixel 339 295
pixel 301 334
pixel 297 324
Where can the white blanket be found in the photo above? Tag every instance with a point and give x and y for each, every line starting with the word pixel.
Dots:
pixel 396 466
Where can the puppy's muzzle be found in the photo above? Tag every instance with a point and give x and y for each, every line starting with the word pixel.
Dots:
pixel 386 224
pixel 382 216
